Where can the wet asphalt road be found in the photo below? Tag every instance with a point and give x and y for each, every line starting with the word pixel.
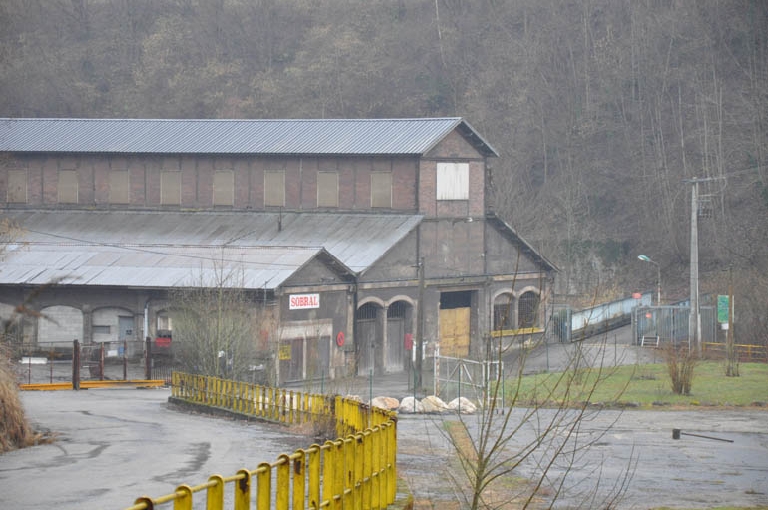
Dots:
pixel 115 445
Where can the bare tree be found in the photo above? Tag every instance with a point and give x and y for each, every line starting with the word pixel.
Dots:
pixel 217 325
pixel 541 430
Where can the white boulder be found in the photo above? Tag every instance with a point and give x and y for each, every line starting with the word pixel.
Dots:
pixel 434 404
pixel 463 405
pixel 410 405
pixel 388 403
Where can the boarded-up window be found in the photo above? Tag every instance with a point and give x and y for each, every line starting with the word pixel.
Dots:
pixel 68 187
pixel 327 189
pixel 274 188
pixel 453 181
pixel 17 186
pixel 170 188
pixel 224 188
pixel 119 190
pixel 381 189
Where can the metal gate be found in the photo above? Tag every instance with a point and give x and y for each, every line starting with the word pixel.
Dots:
pixel 459 377
pixel 660 325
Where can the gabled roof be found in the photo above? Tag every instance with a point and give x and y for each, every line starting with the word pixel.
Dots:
pixel 524 246
pixel 264 137
pixel 168 249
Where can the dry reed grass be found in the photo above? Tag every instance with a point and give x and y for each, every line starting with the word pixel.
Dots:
pixel 15 431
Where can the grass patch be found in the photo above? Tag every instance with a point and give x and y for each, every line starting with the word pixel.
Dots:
pixel 647 385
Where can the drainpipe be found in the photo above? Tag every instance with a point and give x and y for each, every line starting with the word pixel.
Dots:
pixel 146 318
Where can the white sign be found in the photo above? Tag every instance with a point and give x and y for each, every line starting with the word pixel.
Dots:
pixel 303 301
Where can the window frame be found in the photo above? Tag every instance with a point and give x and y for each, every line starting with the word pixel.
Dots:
pixel 122 174
pixel 227 189
pixel 270 188
pixel 17 176
pixel 323 191
pixel 68 182
pixel 163 185
pixel 381 186
pixel 528 310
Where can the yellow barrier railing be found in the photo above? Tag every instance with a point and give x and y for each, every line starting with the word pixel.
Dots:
pixel 356 471
pixel 745 352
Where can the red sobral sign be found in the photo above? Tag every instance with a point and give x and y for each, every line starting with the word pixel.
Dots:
pixel 303 301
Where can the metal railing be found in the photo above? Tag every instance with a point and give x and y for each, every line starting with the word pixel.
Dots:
pixel 58 362
pixel 356 471
pixel 744 352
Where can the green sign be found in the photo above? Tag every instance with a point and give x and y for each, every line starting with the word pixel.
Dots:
pixel 722 309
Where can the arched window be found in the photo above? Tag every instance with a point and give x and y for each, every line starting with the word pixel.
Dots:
pixel 528 310
pixel 504 312
pixel 367 312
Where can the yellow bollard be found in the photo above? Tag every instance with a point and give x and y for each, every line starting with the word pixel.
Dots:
pixel 215 494
pixel 263 486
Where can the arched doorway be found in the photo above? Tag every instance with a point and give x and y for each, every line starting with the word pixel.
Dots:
pixel 399 321
pixel 59 325
pixel 367 318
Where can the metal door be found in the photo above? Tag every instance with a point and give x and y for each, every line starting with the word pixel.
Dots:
pixel 395 348
pixel 366 331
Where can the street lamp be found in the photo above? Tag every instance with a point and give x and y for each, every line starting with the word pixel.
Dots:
pixel 646 258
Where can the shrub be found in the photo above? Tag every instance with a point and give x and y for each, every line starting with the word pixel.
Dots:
pixel 681 362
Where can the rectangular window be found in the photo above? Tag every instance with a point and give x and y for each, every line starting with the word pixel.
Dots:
pixel 67 186
pixel 101 330
pixel 274 188
pixel 381 189
pixel 453 181
pixel 224 188
pixel 17 186
pixel 170 188
pixel 119 190
pixel 327 189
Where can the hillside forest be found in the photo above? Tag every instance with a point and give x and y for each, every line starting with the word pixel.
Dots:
pixel 602 110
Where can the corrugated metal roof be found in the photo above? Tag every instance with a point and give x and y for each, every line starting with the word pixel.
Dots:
pixel 166 249
pixel 151 266
pixel 278 137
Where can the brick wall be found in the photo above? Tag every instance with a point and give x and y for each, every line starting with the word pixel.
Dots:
pixel 196 176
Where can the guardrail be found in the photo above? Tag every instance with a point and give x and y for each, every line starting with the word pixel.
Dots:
pixel 745 352
pixel 356 471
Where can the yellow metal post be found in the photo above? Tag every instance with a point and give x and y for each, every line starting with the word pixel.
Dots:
pixel 183 499
pixel 243 490
pixel 263 486
pixel 299 478
pixel 215 495
pixel 313 463
pixel 283 489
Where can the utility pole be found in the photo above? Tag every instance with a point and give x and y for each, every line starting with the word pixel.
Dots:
pixel 694 318
pixel 694 323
